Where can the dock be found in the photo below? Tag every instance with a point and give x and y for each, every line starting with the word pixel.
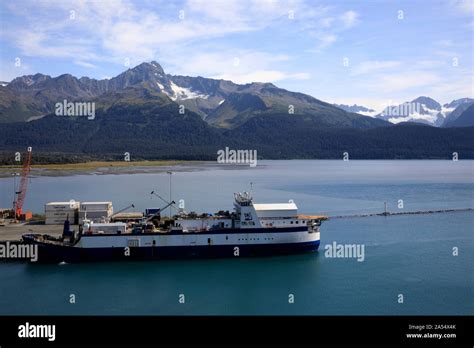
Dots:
pixel 13 232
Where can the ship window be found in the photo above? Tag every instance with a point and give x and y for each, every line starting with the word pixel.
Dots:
pixel 133 243
pixel 291 222
pixel 297 222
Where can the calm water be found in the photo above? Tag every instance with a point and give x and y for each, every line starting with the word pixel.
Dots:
pixel 409 255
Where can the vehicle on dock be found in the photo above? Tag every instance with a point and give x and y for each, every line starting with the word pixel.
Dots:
pixel 250 230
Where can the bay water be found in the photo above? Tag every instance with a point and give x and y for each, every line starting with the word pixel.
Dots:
pixel 414 264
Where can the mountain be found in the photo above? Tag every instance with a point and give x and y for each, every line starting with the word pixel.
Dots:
pixel 457 107
pixel 150 130
pixel 423 110
pixel 357 109
pixel 31 96
pixel 455 103
pixel 140 111
pixel 465 119
pixel 221 103
pixel 427 103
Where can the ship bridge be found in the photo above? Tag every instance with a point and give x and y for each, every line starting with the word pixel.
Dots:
pixel 263 215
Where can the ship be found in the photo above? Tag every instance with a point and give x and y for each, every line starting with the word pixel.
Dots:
pixel 251 229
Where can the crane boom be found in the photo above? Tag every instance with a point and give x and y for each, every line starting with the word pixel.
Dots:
pixel 23 185
pixel 171 204
pixel 122 210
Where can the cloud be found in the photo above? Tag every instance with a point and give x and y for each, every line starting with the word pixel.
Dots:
pixel 40 44
pixel 463 6
pixel 446 53
pixel 326 22
pixel 112 30
pixel 214 33
pixel 405 81
pixel 349 19
pixel 455 87
pixel 445 43
pixel 324 40
pixel 237 66
pixel 330 28
pixel 429 64
pixel 261 76
pixel 374 66
pixel 85 64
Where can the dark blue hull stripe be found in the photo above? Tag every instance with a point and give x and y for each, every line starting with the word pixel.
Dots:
pixel 57 253
pixel 217 231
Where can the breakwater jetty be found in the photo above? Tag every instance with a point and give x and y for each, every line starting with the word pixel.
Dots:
pixel 419 212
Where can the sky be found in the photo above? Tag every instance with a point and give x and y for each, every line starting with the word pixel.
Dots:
pixel 372 53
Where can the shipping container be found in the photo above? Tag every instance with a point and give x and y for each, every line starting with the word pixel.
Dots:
pixel 94 206
pixel 53 219
pixel 54 206
pixel 57 212
pixel 96 216
pixel 151 211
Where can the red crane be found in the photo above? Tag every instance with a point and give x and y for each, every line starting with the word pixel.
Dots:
pixel 21 194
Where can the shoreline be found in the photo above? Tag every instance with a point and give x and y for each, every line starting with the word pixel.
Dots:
pixel 154 166
pixel 102 167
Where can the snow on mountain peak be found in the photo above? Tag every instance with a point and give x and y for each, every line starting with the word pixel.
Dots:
pixel 422 109
pixel 182 93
